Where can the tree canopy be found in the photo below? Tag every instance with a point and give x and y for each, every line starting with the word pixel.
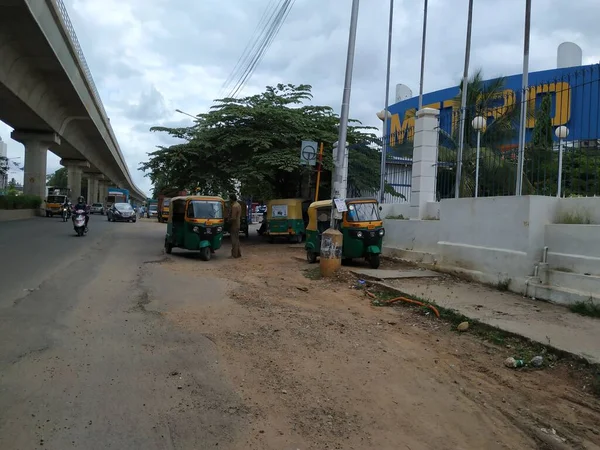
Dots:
pixel 255 141
pixel 58 179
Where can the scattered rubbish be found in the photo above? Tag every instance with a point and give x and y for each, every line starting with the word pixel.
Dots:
pixel 463 326
pixel 361 282
pixel 370 294
pixel 513 363
pixel 283 391
pixel 407 300
pixel 536 361
pixel 303 289
pixel 174 373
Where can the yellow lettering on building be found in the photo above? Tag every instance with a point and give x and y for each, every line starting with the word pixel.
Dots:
pixel 398 129
pixel 562 102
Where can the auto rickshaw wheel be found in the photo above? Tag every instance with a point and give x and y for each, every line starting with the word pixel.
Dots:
pixel 168 247
pixel 205 253
pixel 374 261
pixel 311 257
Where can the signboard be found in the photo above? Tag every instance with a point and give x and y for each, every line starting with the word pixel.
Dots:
pixel 340 205
pixel 308 153
pixel 279 211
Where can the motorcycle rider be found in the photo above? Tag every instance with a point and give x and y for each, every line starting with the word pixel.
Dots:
pixel 68 206
pixel 83 206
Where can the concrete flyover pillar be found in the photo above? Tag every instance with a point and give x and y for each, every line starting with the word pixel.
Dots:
pixel 36 147
pixel 74 172
pixel 103 190
pixel 424 168
pixel 93 183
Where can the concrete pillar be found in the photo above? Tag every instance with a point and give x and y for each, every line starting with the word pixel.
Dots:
pixel 331 252
pixel 74 172
pixel 424 168
pixel 93 183
pixel 36 147
pixel 103 190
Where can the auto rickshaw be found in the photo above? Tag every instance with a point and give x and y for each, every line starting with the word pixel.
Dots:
pixel 288 218
pixel 361 226
pixel 243 220
pixel 54 204
pixel 195 223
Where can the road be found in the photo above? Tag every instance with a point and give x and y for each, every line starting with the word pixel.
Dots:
pixel 83 363
pixel 115 345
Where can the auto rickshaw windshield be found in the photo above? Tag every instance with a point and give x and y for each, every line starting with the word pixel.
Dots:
pixel 202 209
pixel 363 212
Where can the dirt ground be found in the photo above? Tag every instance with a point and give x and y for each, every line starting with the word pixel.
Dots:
pixel 318 367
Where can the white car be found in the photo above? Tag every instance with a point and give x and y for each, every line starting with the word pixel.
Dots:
pixel 97 208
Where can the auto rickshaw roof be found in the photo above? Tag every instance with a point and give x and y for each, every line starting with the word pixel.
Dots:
pixel 205 198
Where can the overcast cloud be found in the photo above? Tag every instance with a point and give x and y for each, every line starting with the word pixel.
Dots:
pixel 149 57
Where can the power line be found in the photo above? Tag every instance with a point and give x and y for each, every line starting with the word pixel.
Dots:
pixel 251 44
pixel 282 16
pixel 266 38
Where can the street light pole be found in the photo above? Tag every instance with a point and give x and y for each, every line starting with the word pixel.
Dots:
pixel 463 103
pixel 186 114
pixel 561 133
pixel 386 136
pixel 339 184
pixel 423 55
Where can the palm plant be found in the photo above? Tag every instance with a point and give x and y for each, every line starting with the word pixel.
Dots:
pixel 497 164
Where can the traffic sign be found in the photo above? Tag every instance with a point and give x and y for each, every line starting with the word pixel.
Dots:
pixel 308 153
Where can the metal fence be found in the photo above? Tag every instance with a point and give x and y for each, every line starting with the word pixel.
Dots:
pixel 562 139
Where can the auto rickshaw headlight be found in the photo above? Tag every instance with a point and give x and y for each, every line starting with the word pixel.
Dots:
pixel 219 229
pixel 359 234
pixel 195 229
pixel 381 232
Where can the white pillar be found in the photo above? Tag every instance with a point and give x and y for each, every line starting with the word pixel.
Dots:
pixel 36 147
pixel 424 169
pixel 74 171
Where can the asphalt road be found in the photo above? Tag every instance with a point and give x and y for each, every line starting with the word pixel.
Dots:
pixel 85 361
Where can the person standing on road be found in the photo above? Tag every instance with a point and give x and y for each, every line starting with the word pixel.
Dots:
pixel 234 228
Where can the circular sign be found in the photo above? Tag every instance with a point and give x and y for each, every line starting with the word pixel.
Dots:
pixel 309 152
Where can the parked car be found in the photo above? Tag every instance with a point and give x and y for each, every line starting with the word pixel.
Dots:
pixel 97 208
pixel 121 212
pixel 152 211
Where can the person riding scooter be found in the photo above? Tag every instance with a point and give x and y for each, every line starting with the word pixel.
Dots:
pixel 67 205
pixel 83 206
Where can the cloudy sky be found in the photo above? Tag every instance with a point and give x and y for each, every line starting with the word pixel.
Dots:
pixel 150 57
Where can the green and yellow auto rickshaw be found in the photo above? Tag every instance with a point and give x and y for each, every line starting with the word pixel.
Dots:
pixel 243 220
pixel 195 223
pixel 287 218
pixel 361 226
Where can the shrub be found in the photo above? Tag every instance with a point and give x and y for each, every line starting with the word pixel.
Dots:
pixel 20 202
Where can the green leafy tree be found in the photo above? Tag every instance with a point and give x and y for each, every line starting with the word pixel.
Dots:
pixel 58 179
pixel 256 141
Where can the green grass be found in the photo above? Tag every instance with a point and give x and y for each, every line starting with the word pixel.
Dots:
pixel 574 218
pixel 398 217
pixel 586 309
pixel 314 273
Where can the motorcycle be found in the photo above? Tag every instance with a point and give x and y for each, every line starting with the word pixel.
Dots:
pixel 79 222
pixel 66 213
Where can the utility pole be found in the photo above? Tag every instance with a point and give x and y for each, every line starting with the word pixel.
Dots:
pixel 463 104
pixel 386 135
pixel 340 182
pixel 423 55
pixel 524 86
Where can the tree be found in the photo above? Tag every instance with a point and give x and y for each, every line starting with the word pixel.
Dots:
pixel 497 167
pixel 12 187
pixel 256 141
pixel 59 179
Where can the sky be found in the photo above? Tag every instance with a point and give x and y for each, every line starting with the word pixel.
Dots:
pixel 150 57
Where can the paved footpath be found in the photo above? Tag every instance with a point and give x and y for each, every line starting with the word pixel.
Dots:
pixel 539 321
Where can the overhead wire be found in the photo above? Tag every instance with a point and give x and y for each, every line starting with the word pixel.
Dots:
pixel 249 47
pixel 270 30
pixel 282 16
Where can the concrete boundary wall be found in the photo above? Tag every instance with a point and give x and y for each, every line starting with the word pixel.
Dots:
pixel 17 214
pixel 500 240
